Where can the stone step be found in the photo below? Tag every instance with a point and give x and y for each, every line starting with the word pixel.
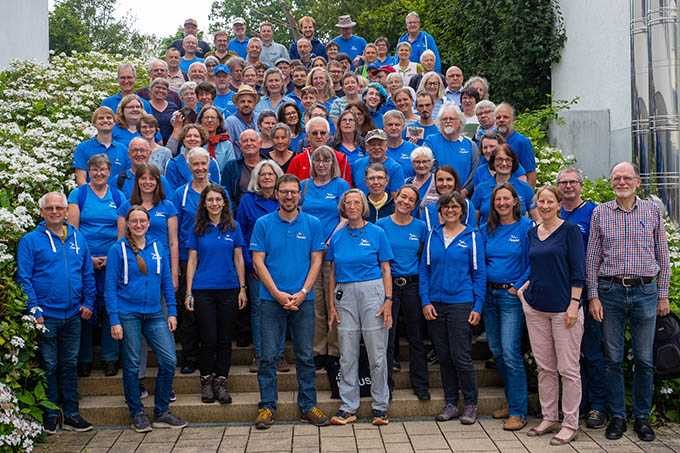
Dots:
pixel 241 380
pixel 244 355
pixel 112 411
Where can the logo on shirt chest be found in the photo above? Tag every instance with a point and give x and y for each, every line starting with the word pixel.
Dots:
pixel 155 256
pixel 331 196
pixel 364 243
pixel 112 204
pixel 513 238
pixel 413 237
pixel 462 244
pixel 300 235
pixel 160 214
pixel 74 246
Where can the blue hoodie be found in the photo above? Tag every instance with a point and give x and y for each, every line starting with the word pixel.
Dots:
pixel 57 277
pixel 130 291
pixel 453 274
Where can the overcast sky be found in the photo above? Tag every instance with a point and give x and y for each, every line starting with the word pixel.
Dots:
pixel 162 17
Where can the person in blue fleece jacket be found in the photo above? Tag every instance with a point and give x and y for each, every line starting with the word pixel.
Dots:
pixel 138 269
pixel 452 290
pixel 54 267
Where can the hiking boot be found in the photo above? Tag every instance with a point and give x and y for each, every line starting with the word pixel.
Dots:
pixel 380 417
pixel 207 392
pixel 254 365
pixel 596 419
pixel 501 413
pixel 449 412
pixel 264 419
pixel 315 417
pixel 51 423
pixel 342 418
pixel 514 423
pixel 168 420
pixel 221 392
pixel 76 423
pixel 469 414
pixel 282 365
pixel 140 423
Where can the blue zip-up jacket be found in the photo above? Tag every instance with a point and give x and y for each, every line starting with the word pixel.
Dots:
pixel 524 269
pixel 251 208
pixel 130 291
pixel 57 277
pixel 231 177
pixel 454 274
pixel 423 42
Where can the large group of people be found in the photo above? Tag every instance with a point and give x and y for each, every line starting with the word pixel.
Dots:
pixel 331 192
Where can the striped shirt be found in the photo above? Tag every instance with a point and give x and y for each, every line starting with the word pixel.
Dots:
pixel 628 244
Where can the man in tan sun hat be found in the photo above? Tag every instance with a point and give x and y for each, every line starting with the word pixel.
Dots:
pixel 347 42
pixel 244 118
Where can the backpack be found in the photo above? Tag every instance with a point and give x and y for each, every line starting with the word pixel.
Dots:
pixel 667 346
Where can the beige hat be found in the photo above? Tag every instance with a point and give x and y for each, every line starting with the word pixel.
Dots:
pixel 345 22
pixel 246 89
pixel 376 134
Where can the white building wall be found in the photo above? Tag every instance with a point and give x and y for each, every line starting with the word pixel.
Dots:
pixel 595 67
pixel 25 31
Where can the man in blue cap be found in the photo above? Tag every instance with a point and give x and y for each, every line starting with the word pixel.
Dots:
pixel 224 93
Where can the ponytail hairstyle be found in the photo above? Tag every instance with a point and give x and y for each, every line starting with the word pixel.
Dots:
pixel 128 235
pixel 203 218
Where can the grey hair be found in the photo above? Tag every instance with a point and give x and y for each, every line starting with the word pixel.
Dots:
pixel 485 103
pixel 404 43
pixel 254 39
pixel 317 120
pixel 426 53
pixel 190 85
pixel 421 151
pixel 413 14
pixel 394 75
pixel 451 107
pixel 187 36
pixel 268 74
pixel 328 153
pixel 155 61
pixel 376 166
pixel 212 58
pixel 233 61
pixel 173 49
pixel 158 80
pixel 197 152
pixel 364 202
pixel 254 184
pixel 394 114
pixel 97 160
pixel 512 109
pixel 281 126
pixel 485 85
pixel 198 63
pixel 143 140
pixel 126 66
pixel 569 169
pixel 43 199
pixel 636 169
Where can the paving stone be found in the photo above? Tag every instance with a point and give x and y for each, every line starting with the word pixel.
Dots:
pixel 509 445
pixel 392 428
pixel 455 425
pixel 305 429
pixel 429 441
pixel 501 436
pixel 403 447
pixel 200 433
pixel 367 434
pixel 364 444
pixel 337 431
pixel 472 445
pixel 339 444
pixel 453 435
pixel 207 444
pixel 103 439
pixel 433 451
pixel 162 436
pixel 394 438
pixel 305 441
pixel 128 435
pixel 97 450
pixel 237 430
pixel 155 447
pixel 124 447
pixel 376 449
pixel 366 426
pixel 279 444
pixel 234 442
pixel 194 449
pixel 417 428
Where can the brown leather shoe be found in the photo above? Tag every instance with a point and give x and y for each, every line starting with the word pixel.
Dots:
pixel 501 413
pixel 514 423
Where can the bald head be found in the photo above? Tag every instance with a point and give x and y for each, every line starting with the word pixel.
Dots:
pixel 250 143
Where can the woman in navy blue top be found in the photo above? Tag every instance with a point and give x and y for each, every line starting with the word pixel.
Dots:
pixel 281 152
pixel 161 108
pixel 257 202
pixel 452 286
pixel 506 245
pixel 320 196
pixel 407 236
pixel 216 288
pixel 552 306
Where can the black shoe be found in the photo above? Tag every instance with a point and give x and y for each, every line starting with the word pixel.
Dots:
pixel 617 426
pixel 423 395
pixel 396 366
pixel 320 361
pixel 188 368
pixel 110 368
pixel 84 369
pixel 50 424
pixel 596 419
pixel 490 364
pixel 643 430
pixel 432 357
pixel 77 424
pixel 243 340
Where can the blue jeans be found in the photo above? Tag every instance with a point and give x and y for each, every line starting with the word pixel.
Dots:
pixel 110 347
pixel 154 327
pixel 592 364
pixel 504 321
pixel 58 351
pixel 301 322
pixel 255 314
pixel 636 305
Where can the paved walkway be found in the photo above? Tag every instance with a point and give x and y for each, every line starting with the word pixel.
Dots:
pixel 397 437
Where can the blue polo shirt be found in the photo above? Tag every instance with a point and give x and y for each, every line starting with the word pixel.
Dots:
pixel 507 252
pixel 394 171
pixel 580 217
pixel 129 184
pixel 117 154
pixel 352 156
pixel 184 64
pixel 98 219
pixel 215 248
pixel 113 101
pixel 428 130
pixel 482 174
pixel 158 225
pixel 288 247
pixel 524 149
pixel 225 102
pixel 241 48
pixel 357 259
pixel 458 154
pixel 124 136
pixel 402 156
pixel 353 46
pixel 405 241
pixel 322 202
pixel 482 197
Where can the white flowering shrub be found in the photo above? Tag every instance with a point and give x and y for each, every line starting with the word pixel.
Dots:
pixel 45 112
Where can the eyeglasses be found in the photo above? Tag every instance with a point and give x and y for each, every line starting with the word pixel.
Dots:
pixel 571 182
pixel 54 208
pixel 451 207
pixel 501 160
pixel 318 133
pixel 95 171
pixel 323 161
pixel 285 193
pixel 422 162
pixel 206 117
pixel 432 84
pixel 291 113
pixel 347 120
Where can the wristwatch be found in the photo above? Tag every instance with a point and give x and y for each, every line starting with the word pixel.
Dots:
pixel 388 297
pixel 304 291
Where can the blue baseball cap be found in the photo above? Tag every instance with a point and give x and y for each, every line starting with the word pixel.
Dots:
pixel 222 68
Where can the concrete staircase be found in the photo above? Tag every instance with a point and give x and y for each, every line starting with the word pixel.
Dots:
pixel 102 401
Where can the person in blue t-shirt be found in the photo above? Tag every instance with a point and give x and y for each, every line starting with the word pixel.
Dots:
pixel 240 43
pixel 216 288
pixel 506 245
pixel 102 143
pixel 488 143
pixel 348 43
pixel 452 287
pixel 406 236
pixel 375 96
pixel 398 148
pixel 594 401
pixel 347 138
pixel 504 162
pixel 127 78
pixel 139 152
pixel 287 248
pixel 92 209
pixel 445 180
pixel 190 46
pixel 505 123
pixel 130 110
pixel 376 147
pixel 361 303
pixel 320 196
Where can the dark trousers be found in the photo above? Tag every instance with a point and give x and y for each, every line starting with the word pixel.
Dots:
pixel 594 393
pixel 216 311
pixel 452 338
pixel 187 329
pixel 406 300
